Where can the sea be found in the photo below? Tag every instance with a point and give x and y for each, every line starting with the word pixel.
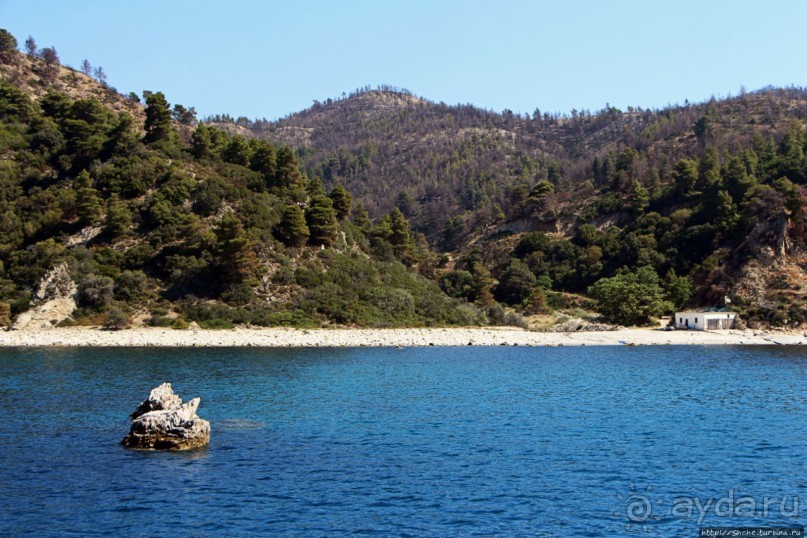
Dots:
pixel 452 441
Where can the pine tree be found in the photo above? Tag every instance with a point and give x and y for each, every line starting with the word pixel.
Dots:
pixel 726 214
pixel 288 169
pixel 292 229
pixel 361 218
pixel 118 217
pixel 321 220
pixel 400 237
pixel 236 259
pixel 88 204
pixel 158 118
pixel 8 46
pixel 201 144
pixel 264 160
pixel 237 151
pixel 639 198
pixel 342 202
pixel 685 175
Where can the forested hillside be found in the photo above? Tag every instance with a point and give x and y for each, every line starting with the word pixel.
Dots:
pixel 708 195
pixel 156 220
pixel 155 217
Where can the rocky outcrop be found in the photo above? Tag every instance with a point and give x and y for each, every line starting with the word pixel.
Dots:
pixel 163 422
pixel 53 301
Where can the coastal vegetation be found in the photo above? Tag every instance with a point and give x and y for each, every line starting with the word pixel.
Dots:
pixel 384 209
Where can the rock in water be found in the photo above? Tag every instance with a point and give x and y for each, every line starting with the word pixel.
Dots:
pixel 163 422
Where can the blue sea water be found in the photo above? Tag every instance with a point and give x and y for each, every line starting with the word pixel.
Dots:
pixel 498 441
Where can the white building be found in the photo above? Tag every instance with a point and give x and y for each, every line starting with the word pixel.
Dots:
pixel 705 320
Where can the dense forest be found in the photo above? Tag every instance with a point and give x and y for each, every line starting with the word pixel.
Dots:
pixel 162 219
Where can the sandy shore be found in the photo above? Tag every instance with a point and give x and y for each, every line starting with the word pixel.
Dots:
pixel 283 337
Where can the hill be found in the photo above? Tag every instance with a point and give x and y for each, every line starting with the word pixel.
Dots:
pixel 710 192
pixel 112 212
pixel 141 213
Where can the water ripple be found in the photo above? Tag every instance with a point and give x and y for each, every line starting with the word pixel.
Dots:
pixel 437 442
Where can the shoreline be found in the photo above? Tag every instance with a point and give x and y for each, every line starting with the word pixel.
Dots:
pixel 303 338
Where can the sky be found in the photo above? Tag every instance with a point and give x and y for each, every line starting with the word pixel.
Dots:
pixel 266 58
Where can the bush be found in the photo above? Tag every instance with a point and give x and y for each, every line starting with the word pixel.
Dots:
pixel 96 292
pixel 116 320
pixel 238 295
pixel 160 321
pixel 458 284
pixel 216 323
pixel 132 286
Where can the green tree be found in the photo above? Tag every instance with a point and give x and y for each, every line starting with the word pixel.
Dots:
pixel 400 237
pixel 726 216
pixel 685 176
pixel 118 217
pixel 237 151
pixel 361 218
pixel 639 198
pixel 342 202
pixel 264 160
pixel 542 189
pixel 793 197
pixel 632 298
pixel 709 178
pixel 679 289
pixel 737 178
pixel 88 203
pixel 8 46
pixel 790 159
pixel 158 118
pixel 292 229
pixel 288 169
pixel 321 220
pixel 235 254
pixel 516 283
pixel 201 143
pixel 458 284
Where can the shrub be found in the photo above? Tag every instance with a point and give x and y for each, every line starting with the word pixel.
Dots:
pixel 96 292
pixel 216 323
pixel 132 286
pixel 160 321
pixel 116 320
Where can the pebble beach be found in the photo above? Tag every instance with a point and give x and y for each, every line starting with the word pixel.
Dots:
pixel 298 338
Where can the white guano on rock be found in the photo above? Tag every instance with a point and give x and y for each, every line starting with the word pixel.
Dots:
pixel 163 422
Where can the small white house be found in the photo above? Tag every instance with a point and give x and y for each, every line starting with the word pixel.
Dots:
pixel 705 320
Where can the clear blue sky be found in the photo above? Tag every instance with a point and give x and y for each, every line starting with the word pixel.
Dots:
pixel 265 58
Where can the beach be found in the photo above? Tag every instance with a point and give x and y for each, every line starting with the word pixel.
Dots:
pixel 294 338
